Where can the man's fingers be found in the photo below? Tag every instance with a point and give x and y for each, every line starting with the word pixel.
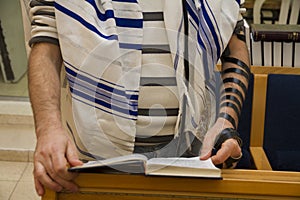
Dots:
pixel 230 148
pixel 43 179
pixel 51 172
pixel 67 185
pixel 39 188
pixel 57 163
pixel 50 178
pixel 59 173
pixel 59 170
pixel 221 155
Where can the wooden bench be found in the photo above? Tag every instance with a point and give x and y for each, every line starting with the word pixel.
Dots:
pixel 259 183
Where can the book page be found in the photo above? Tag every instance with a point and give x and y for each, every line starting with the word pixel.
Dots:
pixel 182 167
pixel 193 162
pixel 115 162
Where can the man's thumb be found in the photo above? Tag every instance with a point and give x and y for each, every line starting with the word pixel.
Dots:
pixel 72 156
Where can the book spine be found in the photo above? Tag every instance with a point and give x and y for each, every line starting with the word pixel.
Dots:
pixel 275 36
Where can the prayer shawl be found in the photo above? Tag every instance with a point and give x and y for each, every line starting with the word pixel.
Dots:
pixel 101 43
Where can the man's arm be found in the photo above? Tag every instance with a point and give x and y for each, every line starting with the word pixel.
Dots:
pixel 44 85
pixel 235 75
pixel 54 149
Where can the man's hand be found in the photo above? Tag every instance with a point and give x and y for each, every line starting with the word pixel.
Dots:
pixel 230 148
pixel 54 150
pixel 54 153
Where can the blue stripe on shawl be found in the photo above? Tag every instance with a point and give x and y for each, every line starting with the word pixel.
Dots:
pixel 132 97
pixel 129 23
pixel 200 42
pixel 204 38
pixel 120 22
pixel 130 46
pixel 211 27
pixel 197 23
pixel 192 13
pixel 95 83
pixel 101 85
pixel 95 91
pixel 83 22
pixel 130 104
pixel 103 103
pixel 205 42
pixel 205 47
pixel 100 79
pixel 111 113
pixel 217 27
pixel 103 17
pixel 199 39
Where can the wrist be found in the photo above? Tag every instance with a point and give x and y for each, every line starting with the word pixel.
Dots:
pixel 225 134
pixel 47 123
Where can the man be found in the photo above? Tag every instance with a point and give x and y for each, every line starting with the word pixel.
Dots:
pixel 140 78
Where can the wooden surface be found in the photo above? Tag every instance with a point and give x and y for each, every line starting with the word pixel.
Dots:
pixel 260 158
pixel 274 70
pixel 247 184
pixel 258 110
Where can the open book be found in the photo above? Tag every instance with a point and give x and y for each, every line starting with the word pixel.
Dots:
pixel 138 163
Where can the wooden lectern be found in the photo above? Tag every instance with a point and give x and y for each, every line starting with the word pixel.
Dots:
pixel 246 184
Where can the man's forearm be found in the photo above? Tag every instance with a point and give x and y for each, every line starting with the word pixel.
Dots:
pixel 235 74
pixel 44 85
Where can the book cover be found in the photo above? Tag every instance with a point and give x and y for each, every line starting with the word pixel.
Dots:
pixel 139 164
pixel 275 32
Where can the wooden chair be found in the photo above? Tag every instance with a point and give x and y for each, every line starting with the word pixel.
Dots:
pixel 285 8
pixel 263 112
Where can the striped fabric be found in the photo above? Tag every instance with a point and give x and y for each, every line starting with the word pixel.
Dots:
pixel 157 112
pixel 123 57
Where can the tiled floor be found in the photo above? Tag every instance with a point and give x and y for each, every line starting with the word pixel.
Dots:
pixel 17 142
pixel 16 181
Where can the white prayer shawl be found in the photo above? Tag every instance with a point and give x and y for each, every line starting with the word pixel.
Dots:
pixel 102 58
